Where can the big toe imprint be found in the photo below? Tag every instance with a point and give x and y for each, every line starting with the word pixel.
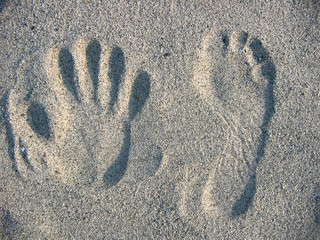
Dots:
pixel 235 76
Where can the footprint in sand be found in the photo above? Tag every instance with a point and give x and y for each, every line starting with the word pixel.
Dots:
pixel 71 117
pixel 235 76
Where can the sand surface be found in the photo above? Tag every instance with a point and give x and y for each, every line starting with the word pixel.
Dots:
pixel 159 120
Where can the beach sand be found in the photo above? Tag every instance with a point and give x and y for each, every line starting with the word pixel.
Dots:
pixel 159 120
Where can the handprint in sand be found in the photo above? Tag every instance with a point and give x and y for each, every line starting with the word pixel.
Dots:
pixel 71 116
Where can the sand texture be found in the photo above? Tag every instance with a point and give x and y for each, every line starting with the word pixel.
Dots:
pixel 160 120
